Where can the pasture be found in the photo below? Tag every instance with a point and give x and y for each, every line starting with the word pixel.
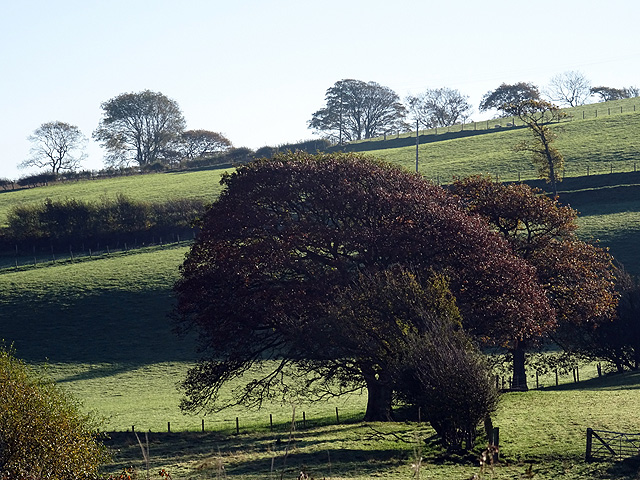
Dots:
pixel 541 429
pixel 157 187
pixel 99 326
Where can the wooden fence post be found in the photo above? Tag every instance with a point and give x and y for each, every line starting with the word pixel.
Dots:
pixel 495 441
pixel 337 416
pixel 587 455
pixel 168 427
pixel 237 426
pixel 271 421
pixel 203 425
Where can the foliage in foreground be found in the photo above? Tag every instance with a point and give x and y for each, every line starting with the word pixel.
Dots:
pixel 43 433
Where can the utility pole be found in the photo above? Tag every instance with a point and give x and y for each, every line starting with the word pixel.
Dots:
pixel 417 142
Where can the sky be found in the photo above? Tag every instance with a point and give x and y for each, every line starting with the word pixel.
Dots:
pixel 256 71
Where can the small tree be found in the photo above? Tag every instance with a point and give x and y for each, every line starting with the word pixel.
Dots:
pixel 608 93
pixel 43 434
pixel 440 107
pixel 569 88
pixel 451 381
pixel 537 115
pixel 56 146
pixel 200 144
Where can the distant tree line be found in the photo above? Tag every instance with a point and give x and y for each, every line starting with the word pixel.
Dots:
pixel 356 110
pixel 71 222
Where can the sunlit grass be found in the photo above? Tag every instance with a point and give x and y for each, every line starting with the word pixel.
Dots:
pixel 157 187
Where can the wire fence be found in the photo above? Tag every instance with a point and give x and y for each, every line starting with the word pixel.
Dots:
pixel 23 256
pixel 280 421
pixel 498 124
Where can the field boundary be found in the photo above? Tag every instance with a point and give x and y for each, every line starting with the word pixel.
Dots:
pixel 616 444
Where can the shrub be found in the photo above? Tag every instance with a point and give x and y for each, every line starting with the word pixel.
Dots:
pixel 7 184
pixel 450 380
pixel 43 434
pixel 38 179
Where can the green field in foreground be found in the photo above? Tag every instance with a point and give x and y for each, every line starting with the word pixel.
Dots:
pixel 544 429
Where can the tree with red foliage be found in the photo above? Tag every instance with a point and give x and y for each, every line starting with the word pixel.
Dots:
pixel 578 277
pixel 287 234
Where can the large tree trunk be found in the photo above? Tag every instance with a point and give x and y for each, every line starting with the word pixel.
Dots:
pixel 519 371
pixel 379 400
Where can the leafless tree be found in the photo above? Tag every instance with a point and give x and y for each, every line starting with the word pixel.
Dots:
pixel 56 146
pixel 570 88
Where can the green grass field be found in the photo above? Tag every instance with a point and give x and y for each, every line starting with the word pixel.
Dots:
pixel 101 326
pixel 109 309
pixel 544 429
pixel 591 146
pixel 157 187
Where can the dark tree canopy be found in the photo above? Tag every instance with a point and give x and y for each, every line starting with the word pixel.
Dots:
pixel 440 107
pixel 607 94
pixel 508 94
pixel 286 234
pixel 56 146
pixel 578 277
pixel 137 127
pixel 355 110
pixel 617 341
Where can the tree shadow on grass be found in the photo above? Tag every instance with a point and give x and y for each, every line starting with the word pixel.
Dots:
pixel 254 455
pixel 611 381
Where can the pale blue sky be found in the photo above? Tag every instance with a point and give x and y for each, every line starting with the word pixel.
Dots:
pixel 256 70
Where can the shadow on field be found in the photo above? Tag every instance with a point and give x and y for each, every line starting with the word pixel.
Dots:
pixel 611 381
pixel 93 326
pixel 627 468
pixel 244 455
pixel 100 371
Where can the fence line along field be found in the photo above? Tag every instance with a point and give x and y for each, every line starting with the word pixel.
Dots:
pixel 101 328
pixel 542 431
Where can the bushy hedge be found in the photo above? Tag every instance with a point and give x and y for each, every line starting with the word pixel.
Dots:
pixel 61 223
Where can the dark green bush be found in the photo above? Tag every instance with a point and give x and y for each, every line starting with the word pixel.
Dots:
pixel 60 223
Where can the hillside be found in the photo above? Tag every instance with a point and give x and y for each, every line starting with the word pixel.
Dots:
pixel 54 311
pixel 604 141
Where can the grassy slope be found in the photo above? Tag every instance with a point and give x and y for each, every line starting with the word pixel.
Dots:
pixel 550 437
pixel 157 187
pixel 102 324
pixel 111 309
pixel 590 146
